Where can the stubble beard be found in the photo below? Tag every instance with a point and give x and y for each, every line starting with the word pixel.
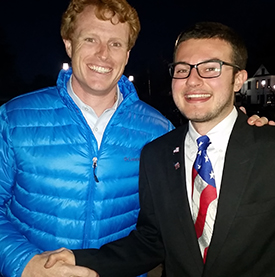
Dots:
pixel 211 115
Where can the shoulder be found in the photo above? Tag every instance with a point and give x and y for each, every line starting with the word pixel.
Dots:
pixel 39 98
pixel 252 135
pixel 169 141
pixel 34 105
pixel 42 98
pixel 143 109
pixel 144 119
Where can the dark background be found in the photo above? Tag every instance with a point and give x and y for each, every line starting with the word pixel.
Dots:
pixel 32 52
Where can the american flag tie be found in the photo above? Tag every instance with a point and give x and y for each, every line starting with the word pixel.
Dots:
pixel 204 196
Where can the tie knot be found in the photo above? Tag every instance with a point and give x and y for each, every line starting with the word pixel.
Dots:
pixel 203 142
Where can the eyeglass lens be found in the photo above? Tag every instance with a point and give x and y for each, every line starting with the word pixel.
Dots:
pixel 205 70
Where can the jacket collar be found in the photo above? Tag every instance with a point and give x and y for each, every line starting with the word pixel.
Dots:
pixel 126 87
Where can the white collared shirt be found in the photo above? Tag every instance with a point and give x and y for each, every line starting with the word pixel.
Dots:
pixel 97 124
pixel 219 137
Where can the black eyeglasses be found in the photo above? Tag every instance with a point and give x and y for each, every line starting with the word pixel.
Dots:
pixel 207 69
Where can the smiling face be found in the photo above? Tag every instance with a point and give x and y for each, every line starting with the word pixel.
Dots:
pixel 99 53
pixel 206 101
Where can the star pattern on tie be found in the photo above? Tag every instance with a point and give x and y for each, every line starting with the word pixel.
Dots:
pixel 212 175
pixel 206 159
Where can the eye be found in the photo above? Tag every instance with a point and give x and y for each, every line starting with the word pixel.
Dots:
pixel 116 44
pixel 90 39
pixel 209 69
pixel 181 69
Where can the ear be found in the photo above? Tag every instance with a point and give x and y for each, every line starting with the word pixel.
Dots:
pixel 240 78
pixel 68 47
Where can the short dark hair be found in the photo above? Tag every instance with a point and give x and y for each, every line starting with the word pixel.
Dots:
pixel 208 30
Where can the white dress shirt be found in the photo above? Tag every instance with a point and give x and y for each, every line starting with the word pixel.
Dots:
pixel 97 124
pixel 219 137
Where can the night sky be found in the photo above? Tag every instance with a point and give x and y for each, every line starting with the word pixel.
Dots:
pixel 31 31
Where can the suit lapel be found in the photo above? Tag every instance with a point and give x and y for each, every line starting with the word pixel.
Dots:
pixel 177 186
pixel 236 172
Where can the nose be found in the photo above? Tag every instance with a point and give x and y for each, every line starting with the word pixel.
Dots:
pixel 102 51
pixel 194 79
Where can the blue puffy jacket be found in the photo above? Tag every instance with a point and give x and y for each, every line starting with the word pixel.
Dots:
pixel 51 196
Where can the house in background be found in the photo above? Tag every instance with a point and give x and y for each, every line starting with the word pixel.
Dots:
pixel 258 90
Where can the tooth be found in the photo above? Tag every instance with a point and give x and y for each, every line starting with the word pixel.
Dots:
pixel 198 96
pixel 100 69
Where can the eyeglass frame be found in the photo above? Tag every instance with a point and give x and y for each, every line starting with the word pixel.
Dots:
pixel 171 65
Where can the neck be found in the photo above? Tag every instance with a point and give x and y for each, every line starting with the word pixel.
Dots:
pixel 100 103
pixel 201 128
pixel 204 127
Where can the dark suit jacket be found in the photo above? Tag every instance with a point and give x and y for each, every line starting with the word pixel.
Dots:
pixel 243 242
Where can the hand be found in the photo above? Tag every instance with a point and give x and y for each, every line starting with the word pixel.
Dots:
pixel 59 255
pixel 36 267
pixel 66 256
pixel 258 121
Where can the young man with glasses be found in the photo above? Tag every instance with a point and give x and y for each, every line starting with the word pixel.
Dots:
pixel 236 234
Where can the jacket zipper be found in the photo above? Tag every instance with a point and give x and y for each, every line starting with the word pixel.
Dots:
pixel 94 167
